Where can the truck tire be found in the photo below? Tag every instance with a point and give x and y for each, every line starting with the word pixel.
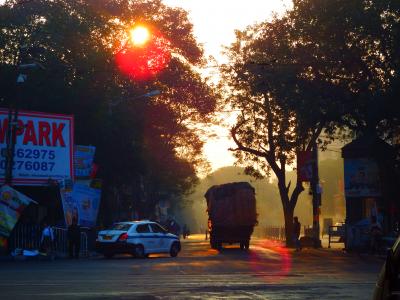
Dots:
pixel 246 245
pixel 241 245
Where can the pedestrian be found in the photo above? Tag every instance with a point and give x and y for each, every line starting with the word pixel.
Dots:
pixel 74 239
pixel 47 239
pixel 375 231
pixel 296 233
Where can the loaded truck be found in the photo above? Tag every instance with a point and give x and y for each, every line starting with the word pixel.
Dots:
pixel 232 214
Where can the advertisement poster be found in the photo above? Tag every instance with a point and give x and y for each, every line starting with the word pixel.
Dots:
pixel 361 178
pixel 69 204
pixel 12 203
pixel 43 149
pixel 83 160
pixel 88 201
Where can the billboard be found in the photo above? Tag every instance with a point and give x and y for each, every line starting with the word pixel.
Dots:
pixel 43 149
pixel 361 178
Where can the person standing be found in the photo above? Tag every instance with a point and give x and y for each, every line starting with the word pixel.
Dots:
pixel 47 238
pixel 376 235
pixel 296 233
pixel 74 239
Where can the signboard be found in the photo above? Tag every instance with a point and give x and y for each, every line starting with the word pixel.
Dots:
pixel 43 148
pixel 12 203
pixel 361 178
pixel 83 160
pixel 305 166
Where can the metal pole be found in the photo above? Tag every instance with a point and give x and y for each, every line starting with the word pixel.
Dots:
pixel 9 154
pixel 316 198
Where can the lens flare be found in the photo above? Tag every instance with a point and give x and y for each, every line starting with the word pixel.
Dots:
pixel 277 262
pixel 145 61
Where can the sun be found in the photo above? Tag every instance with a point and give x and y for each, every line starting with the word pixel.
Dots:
pixel 139 35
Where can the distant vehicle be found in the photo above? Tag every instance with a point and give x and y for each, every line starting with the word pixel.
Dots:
pixel 232 214
pixel 139 238
pixel 388 284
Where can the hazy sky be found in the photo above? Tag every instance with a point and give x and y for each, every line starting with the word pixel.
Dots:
pixel 214 24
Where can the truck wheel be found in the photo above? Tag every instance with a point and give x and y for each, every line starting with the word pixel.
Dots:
pixel 246 245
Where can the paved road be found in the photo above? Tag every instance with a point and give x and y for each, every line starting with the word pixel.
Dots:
pixel 267 271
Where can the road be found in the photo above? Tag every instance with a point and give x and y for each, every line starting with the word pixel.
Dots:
pixel 267 271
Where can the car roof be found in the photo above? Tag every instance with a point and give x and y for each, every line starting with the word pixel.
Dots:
pixel 136 222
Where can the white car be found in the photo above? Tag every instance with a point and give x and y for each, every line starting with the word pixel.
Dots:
pixel 139 238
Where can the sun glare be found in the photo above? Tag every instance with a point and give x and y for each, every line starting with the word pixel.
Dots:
pixel 139 35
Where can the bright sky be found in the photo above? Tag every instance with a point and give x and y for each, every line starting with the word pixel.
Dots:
pixel 214 24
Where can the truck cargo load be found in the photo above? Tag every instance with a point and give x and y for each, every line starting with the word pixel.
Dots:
pixel 232 213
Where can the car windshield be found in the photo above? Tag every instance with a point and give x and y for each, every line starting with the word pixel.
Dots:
pixel 120 226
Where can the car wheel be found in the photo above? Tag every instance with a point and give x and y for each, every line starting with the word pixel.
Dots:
pixel 139 251
pixel 108 255
pixel 174 250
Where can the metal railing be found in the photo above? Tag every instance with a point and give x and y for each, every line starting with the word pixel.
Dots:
pixel 29 237
pixel 275 233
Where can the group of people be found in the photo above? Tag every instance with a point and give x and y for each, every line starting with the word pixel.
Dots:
pixel 47 240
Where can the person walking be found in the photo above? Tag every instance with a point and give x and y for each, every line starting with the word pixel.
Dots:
pixel 74 239
pixel 296 233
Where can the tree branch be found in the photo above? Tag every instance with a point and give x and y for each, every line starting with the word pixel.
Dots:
pixel 241 147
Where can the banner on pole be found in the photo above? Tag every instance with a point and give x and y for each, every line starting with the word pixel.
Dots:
pixel 12 203
pixel 305 165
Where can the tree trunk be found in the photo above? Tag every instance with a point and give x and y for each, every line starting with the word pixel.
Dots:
pixel 288 213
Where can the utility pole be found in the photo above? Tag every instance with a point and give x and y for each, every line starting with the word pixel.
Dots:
pixel 316 197
pixel 13 118
pixel 12 126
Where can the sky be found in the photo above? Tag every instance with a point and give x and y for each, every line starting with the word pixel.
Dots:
pixel 214 23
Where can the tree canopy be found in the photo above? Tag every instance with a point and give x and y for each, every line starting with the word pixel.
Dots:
pixel 139 140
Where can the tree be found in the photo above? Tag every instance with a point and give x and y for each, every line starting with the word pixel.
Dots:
pixel 354 45
pixel 77 43
pixel 324 66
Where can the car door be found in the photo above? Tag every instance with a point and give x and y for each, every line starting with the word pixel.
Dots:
pixel 146 237
pixel 160 238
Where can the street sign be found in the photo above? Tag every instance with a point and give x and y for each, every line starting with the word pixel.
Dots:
pixel 43 148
